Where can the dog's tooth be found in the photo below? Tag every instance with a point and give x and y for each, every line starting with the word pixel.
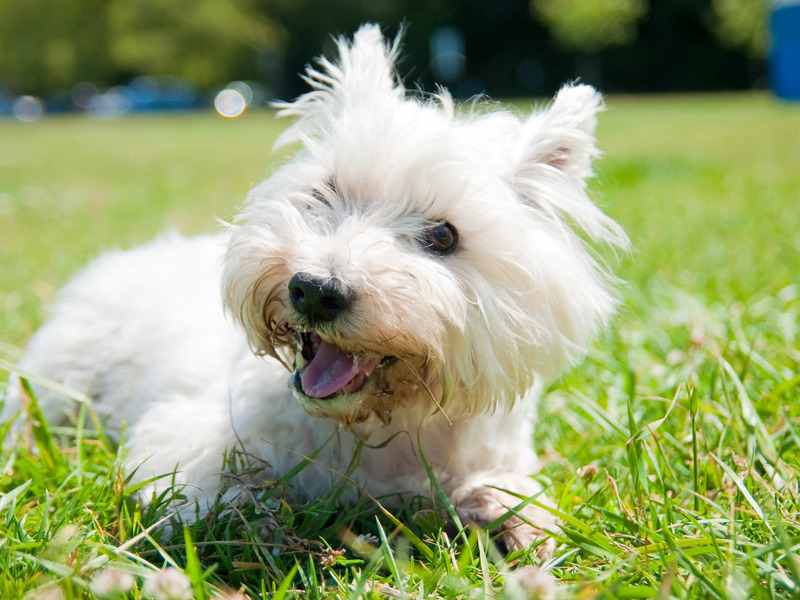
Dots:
pixel 299 361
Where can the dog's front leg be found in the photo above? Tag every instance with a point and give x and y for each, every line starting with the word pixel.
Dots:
pixel 482 500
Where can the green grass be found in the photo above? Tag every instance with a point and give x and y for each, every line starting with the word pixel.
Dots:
pixel 673 451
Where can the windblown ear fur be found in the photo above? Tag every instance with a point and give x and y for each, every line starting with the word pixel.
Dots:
pixel 363 74
pixel 563 135
pixel 554 160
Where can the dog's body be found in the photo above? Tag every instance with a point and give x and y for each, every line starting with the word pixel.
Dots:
pixel 413 272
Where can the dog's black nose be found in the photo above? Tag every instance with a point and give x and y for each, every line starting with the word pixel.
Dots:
pixel 317 299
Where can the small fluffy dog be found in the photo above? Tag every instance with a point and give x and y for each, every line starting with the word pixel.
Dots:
pixel 415 269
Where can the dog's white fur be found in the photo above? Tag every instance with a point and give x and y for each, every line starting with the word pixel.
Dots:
pixel 472 331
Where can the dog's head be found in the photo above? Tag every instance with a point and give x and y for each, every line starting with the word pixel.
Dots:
pixel 415 252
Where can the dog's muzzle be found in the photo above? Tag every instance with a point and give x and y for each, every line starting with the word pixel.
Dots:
pixel 324 370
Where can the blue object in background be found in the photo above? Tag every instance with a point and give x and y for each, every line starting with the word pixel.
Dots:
pixel 784 60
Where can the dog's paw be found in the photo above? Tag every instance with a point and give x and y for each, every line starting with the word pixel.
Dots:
pixel 530 583
pixel 527 527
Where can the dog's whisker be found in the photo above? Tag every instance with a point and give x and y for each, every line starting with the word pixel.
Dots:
pixel 427 388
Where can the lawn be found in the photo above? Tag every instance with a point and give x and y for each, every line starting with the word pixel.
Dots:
pixel 673 450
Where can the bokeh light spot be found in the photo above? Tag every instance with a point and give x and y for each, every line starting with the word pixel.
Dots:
pixel 230 103
pixel 28 108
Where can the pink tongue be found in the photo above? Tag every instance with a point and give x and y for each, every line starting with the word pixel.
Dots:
pixel 330 370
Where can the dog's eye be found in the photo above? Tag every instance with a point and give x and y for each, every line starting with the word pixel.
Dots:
pixel 319 197
pixel 440 238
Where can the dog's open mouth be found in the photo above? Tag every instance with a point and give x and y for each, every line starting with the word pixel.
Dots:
pixel 324 370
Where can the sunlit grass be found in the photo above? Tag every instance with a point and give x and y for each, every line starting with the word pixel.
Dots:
pixel 708 188
pixel 672 452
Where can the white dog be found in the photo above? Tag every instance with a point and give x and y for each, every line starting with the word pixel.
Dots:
pixel 416 268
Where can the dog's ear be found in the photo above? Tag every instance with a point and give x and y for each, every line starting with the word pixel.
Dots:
pixel 562 136
pixel 363 74
pixel 553 161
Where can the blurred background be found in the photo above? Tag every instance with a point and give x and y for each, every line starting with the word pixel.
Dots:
pixel 109 57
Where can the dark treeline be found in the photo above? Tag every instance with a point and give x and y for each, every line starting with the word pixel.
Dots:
pixel 502 47
pixel 509 52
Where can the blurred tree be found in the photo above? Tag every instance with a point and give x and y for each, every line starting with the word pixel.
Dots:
pixel 47 45
pixel 742 24
pixel 206 41
pixel 589 26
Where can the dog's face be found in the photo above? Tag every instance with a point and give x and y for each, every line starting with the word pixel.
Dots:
pixel 411 254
